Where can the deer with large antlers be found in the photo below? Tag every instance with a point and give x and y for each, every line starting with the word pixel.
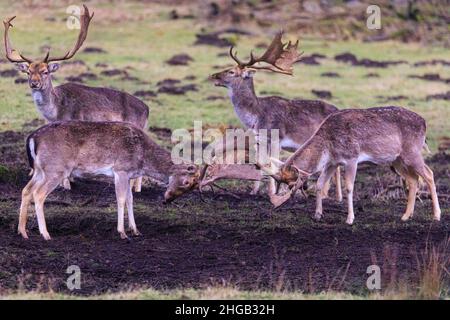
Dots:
pixel 72 101
pixel 385 136
pixel 296 120
pixel 119 150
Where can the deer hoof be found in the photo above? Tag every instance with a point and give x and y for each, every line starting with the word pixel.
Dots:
pixel 349 221
pixel 405 217
pixel 317 216
pixel 46 236
pixel 123 235
pixel 136 232
pixel 23 233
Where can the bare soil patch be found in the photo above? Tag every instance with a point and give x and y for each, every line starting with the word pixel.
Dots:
pixel 191 243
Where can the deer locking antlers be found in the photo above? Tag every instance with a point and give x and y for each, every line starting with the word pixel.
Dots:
pixel 280 56
pixel 14 56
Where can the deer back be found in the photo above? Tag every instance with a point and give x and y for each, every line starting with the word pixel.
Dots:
pixel 79 102
pixel 95 146
pixel 378 135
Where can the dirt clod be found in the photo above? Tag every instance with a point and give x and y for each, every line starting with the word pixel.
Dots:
pixel 181 59
pixel 94 50
pixel 322 94
pixel 10 73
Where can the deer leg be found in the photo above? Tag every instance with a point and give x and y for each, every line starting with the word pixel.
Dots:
pixel 129 203
pixel 322 182
pixel 256 186
pixel 412 182
pixel 337 177
pixel 434 197
pixel 427 174
pixel 27 195
pixel 137 184
pixel 121 185
pixel 66 184
pixel 39 195
pixel 350 174
pixel 326 189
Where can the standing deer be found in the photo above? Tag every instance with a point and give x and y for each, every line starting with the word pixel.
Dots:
pixel 386 135
pixel 72 101
pixel 296 120
pixel 60 150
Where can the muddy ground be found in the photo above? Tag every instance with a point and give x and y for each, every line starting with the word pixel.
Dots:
pixel 218 240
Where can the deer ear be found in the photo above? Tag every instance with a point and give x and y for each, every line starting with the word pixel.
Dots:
pixel 247 73
pixel 22 67
pixel 53 67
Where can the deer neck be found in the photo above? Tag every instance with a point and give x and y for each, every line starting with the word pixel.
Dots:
pixel 44 99
pixel 312 157
pixel 158 163
pixel 245 101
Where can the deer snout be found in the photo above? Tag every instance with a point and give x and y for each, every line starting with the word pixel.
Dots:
pixel 217 79
pixel 35 84
pixel 168 197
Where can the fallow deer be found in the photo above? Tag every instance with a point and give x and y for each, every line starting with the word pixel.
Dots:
pixel 385 135
pixel 296 119
pixel 119 150
pixel 72 101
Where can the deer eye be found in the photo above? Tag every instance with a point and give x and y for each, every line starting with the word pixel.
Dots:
pixel 186 182
pixel 45 72
pixel 231 72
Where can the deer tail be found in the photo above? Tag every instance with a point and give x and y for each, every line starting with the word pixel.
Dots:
pixel 31 151
pixel 426 148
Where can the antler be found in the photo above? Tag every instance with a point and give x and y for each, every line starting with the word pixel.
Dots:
pixel 280 56
pixel 85 19
pixel 12 54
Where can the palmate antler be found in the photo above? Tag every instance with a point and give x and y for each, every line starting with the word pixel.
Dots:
pixel 14 56
pixel 280 56
pixel 85 19
pixel 11 54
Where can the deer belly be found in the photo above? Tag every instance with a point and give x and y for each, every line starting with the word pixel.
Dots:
pixel 377 159
pixel 288 143
pixel 93 171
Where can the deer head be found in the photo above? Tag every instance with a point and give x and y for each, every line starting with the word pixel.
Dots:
pixel 39 70
pixel 185 178
pixel 279 57
pixel 286 173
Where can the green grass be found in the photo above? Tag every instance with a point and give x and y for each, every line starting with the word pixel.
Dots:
pixel 141 36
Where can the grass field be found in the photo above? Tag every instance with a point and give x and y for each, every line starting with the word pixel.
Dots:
pixel 222 248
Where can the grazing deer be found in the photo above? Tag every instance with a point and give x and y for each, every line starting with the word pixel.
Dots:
pixel 296 120
pixel 72 101
pixel 119 150
pixel 384 135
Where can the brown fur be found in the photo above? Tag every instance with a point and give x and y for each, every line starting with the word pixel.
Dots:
pixel 75 148
pixel 73 101
pixel 296 119
pixel 385 135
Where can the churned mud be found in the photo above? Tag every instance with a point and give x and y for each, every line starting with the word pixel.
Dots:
pixel 216 238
